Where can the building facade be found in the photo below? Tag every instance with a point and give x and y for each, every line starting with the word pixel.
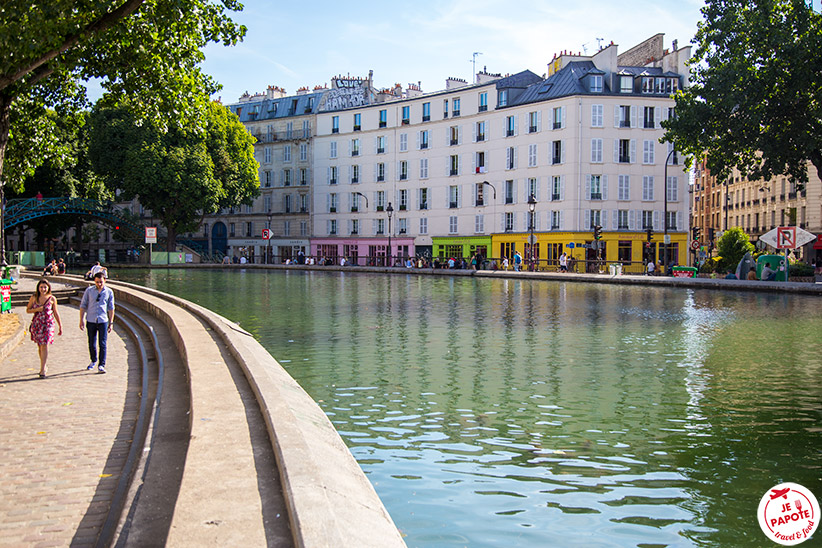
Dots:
pixel 458 167
pixel 756 206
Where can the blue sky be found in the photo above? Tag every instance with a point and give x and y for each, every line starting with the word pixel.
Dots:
pixel 294 44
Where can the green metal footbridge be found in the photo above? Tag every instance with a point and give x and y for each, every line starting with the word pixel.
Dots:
pixel 24 209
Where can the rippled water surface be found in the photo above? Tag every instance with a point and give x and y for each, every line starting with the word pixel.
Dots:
pixel 519 413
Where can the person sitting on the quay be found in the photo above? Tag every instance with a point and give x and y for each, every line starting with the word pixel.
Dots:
pixel 51 269
pixel 768 274
pixel 61 266
pixel 730 276
pixel 752 274
pixel 95 268
pixel 451 262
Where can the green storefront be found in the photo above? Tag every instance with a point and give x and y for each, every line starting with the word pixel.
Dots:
pixel 461 247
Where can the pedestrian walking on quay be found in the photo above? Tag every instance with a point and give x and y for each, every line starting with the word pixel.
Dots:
pixel 97 317
pixel 44 307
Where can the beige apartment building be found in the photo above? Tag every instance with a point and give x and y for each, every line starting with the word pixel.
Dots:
pixel 757 206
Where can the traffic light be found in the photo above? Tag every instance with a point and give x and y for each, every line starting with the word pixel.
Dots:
pixel 650 233
pixel 597 232
pixel 697 233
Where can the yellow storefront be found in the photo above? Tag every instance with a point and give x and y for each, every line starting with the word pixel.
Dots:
pixel 626 248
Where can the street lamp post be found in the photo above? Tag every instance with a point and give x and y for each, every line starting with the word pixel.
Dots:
pixel 268 242
pixel 390 211
pixel 666 242
pixel 532 205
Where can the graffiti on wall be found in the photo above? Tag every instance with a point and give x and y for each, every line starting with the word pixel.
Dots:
pixel 346 92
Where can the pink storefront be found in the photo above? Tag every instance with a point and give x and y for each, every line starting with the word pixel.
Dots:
pixel 363 251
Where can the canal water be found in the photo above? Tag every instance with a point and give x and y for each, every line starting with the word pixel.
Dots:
pixel 491 412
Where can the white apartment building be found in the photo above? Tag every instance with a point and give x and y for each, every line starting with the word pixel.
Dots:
pixel 459 166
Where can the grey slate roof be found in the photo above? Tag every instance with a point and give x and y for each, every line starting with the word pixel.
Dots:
pixel 270 109
pixel 570 81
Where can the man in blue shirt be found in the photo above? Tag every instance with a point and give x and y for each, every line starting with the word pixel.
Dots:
pixel 97 309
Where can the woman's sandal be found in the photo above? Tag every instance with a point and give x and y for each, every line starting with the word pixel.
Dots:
pixel 42 375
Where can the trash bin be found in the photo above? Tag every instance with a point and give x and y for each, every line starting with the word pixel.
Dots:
pixel 5 292
pixel 615 269
pixel 684 272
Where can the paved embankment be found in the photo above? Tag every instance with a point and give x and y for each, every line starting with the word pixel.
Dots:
pixel 237 453
pixel 63 439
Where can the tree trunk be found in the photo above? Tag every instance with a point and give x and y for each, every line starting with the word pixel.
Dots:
pixel 5 124
pixel 816 160
pixel 171 238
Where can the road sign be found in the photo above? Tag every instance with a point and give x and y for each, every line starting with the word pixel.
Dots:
pixel 571 245
pixel 787 237
pixel 695 245
pixel 667 239
pixel 151 234
pixel 267 234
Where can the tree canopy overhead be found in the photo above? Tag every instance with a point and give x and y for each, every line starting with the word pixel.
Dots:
pixel 755 101
pixel 148 50
pixel 178 173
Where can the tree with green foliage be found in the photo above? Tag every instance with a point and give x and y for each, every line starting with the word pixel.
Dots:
pixel 146 50
pixel 178 173
pixel 732 246
pixel 70 175
pixel 755 101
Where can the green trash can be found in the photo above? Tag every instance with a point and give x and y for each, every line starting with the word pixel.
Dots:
pixel 684 272
pixel 5 291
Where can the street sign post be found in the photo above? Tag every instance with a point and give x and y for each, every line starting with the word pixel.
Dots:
pixel 787 237
pixel 151 239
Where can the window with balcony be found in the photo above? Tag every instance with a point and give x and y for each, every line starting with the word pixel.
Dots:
pixel 355 147
pixel 648 119
pixel 509 221
pixel 424 140
pixel 380 172
pixel 509 191
pixel 456 107
pixel 406 115
pixel 625 116
pixel 357 122
pixel 426 112
pixel 383 118
pixel 453 196
pixel 480 131
pixel 557 152
pixel 332 203
pixel 556 188
pixel 335 124
pixel 483 101
pixel 510 158
pixel 303 176
pixel 480 162
pixel 332 175
pixel 423 198
pixel 510 126
pixel 624 152
pixel 403 170
pixel 403 199
pixel 454 164
pixel 555 220
pixel 479 194
pixel 533 122
pixel 380 145
pixel 286 177
pixel 454 135
pixel 595 187
pixel 355 174
pixel 355 226
pixel 559 117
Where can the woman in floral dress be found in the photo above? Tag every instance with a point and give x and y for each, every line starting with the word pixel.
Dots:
pixel 44 307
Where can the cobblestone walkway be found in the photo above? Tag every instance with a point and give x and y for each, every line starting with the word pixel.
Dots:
pixel 63 439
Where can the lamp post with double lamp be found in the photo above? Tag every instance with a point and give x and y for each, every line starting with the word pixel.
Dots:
pixel 268 240
pixel 390 211
pixel 666 239
pixel 532 205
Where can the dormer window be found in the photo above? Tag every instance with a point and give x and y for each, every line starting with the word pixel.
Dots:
pixel 647 84
pixel 595 82
pixel 626 84
pixel 502 99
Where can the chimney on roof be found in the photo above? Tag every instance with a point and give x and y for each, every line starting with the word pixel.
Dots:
pixel 455 83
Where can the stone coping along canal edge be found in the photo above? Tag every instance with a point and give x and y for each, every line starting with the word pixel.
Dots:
pixel 331 502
